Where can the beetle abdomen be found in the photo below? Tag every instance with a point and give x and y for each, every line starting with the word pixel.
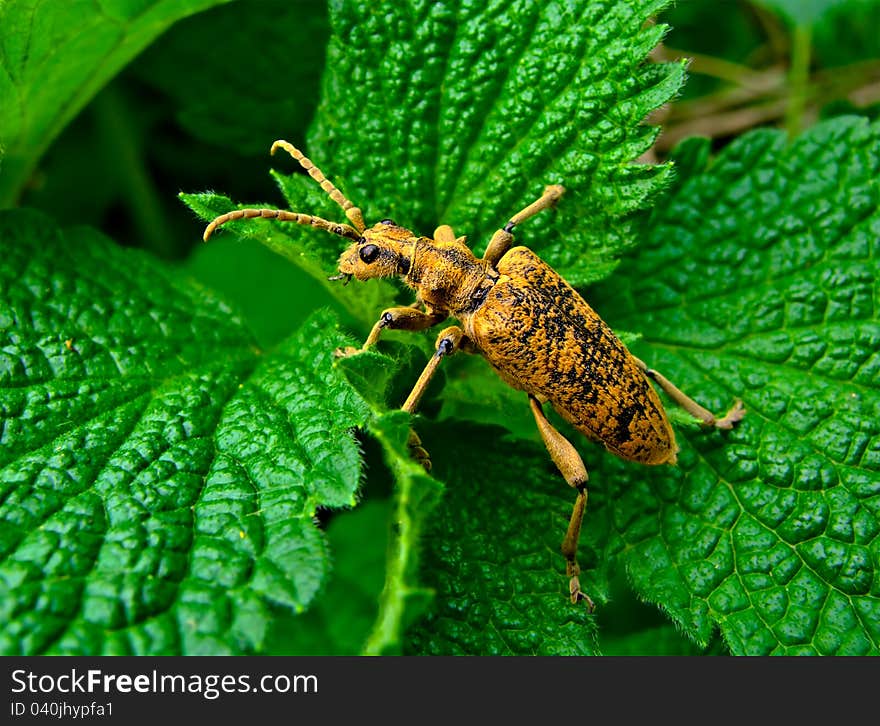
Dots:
pixel 542 337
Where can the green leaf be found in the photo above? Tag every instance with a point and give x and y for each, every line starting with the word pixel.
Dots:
pixel 500 100
pixel 759 280
pixel 160 475
pixel 416 496
pixel 340 621
pixel 56 56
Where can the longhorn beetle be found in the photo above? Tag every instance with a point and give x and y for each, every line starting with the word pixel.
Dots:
pixel 535 330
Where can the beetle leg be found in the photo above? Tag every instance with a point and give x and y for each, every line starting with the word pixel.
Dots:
pixel 444 234
pixel 503 238
pixel 571 466
pixel 728 421
pixel 449 340
pixel 402 318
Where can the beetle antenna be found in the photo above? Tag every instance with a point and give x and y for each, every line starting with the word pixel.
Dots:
pixel 343 230
pixel 351 211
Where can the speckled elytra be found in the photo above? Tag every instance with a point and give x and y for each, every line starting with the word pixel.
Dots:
pixel 534 329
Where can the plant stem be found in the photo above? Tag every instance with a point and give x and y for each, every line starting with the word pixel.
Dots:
pixel 708 65
pixel 798 79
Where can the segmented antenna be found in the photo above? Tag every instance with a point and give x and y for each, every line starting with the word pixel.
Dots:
pixel 343 230
pixel 351 211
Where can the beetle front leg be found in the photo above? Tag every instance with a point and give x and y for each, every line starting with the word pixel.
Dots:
pixel 571 466
pixel 503 238
pixel 400 318
pixel 728 421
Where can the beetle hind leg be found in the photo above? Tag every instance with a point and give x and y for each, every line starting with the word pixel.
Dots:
pixel 726 422
pixel 571 466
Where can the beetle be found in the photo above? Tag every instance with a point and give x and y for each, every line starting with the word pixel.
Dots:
pixel 533 328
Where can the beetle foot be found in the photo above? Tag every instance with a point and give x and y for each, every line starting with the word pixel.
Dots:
pixel 574 587
pixel 417 451
pixel 346 351
pixel 732 417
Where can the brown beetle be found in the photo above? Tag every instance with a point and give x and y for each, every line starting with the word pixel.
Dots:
pixel 534 328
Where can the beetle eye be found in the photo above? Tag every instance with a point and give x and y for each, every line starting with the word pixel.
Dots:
pixel 389 221
pixel 368 253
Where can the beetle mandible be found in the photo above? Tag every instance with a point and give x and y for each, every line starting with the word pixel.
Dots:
pixel 535 330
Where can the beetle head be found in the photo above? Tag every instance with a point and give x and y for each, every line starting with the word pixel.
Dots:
pixel 383 250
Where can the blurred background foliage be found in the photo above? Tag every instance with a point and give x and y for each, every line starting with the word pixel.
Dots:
pixel 200 107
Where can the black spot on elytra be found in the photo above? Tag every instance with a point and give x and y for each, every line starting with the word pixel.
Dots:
pixel 624 419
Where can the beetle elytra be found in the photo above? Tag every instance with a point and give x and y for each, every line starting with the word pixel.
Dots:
pixel 535 330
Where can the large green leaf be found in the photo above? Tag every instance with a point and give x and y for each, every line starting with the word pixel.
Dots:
pixel 160 475
pixel 499 101
pixel 55 56
pixel 759 280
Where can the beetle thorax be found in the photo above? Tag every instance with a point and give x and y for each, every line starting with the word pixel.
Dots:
pixel 448 277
